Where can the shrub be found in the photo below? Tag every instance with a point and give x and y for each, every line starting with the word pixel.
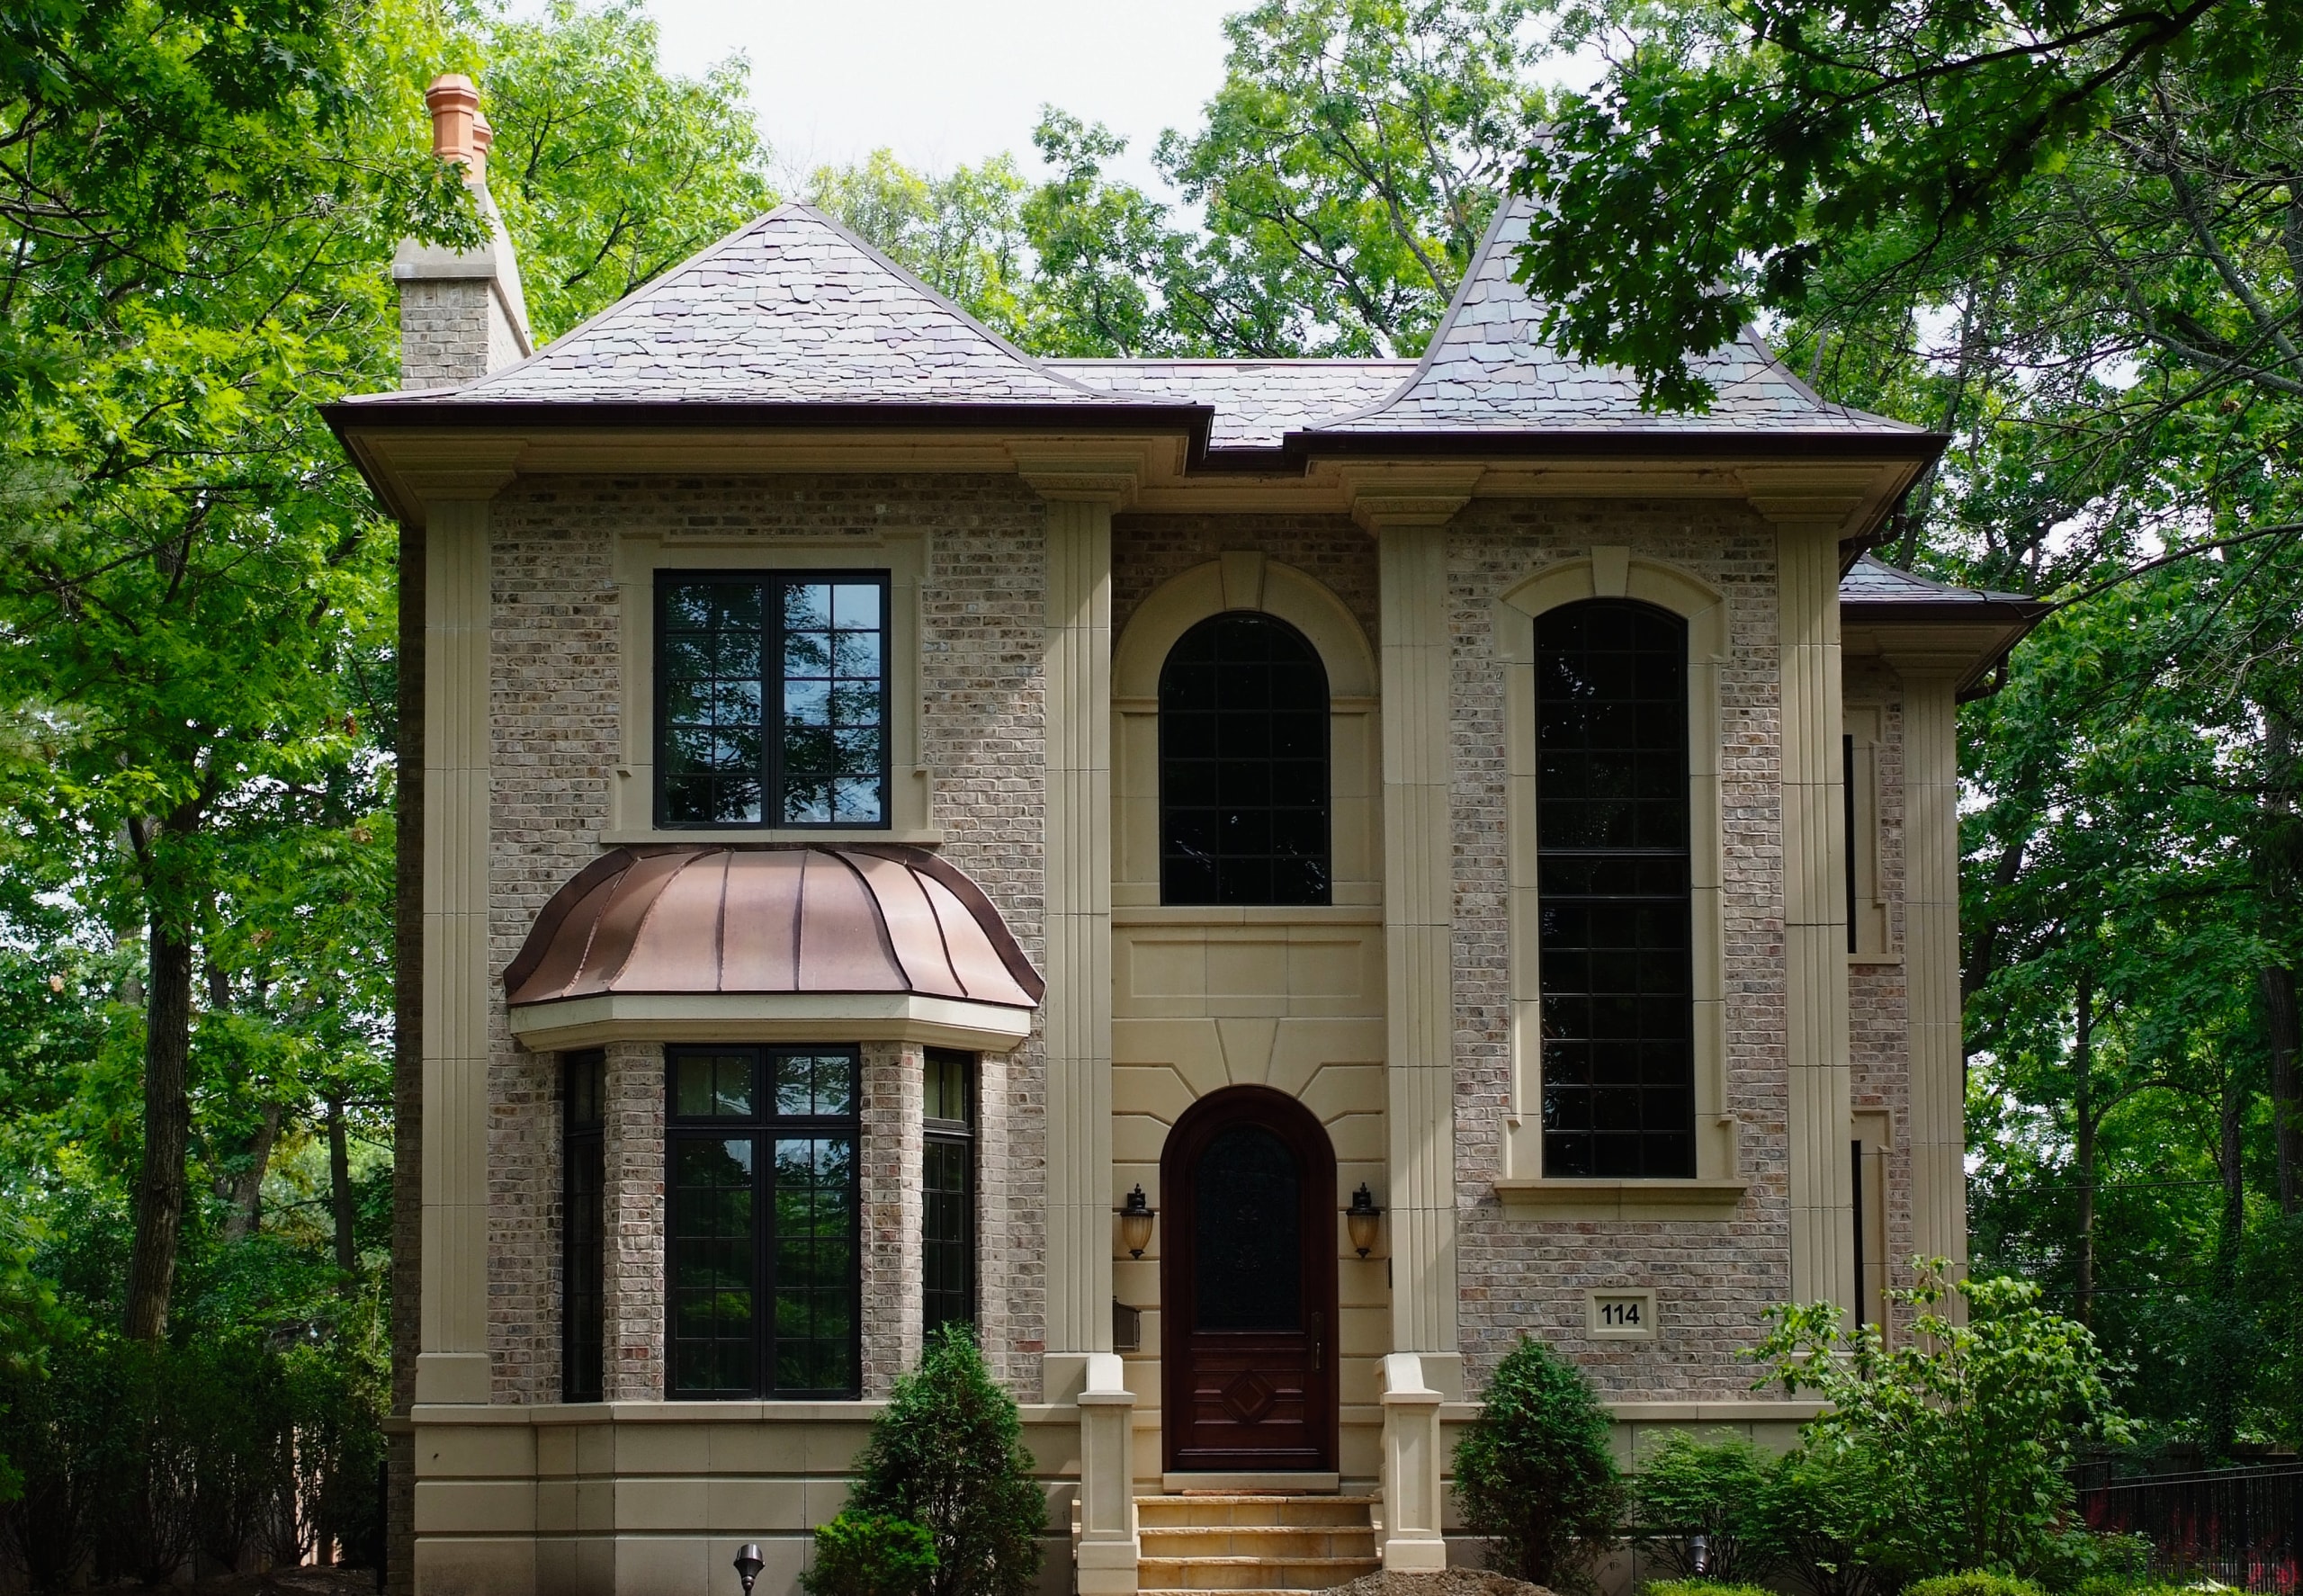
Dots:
pixel 1703 1587
pixel 948 1454
pixel 1959 1438
pixel 870 1555
pixel 1533 1474
pixel 1820 1518
pixel 1973 1582
pixel 1717 1490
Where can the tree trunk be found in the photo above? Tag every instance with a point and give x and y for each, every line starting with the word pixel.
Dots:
pixel 339 1196
pixel 1982 947
pixel 2232 1351
pixel 167 1126
pixel 2286 1084
pixel 246 1194
pixel 2083 1150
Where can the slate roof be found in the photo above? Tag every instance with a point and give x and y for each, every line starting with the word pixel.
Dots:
pixel 791 309
pixel 1488 370
pixel 1256 402
pixel 1874 585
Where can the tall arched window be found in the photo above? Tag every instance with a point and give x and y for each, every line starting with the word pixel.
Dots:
pixel 1612 857
pixel 1243 765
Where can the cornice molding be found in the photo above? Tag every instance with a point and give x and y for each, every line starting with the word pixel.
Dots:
pixel 1093 473
pixel 1385 498
pixel 1825 501
pixel 438 468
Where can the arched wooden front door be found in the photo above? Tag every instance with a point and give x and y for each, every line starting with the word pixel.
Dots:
pixel 1247 1287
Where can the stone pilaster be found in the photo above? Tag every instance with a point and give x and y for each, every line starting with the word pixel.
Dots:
pixel 632 1201
pixel 894 1211
pixel 1936 1051
pixel 1076 1017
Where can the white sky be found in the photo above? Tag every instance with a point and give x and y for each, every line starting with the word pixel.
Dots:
pixel 947 84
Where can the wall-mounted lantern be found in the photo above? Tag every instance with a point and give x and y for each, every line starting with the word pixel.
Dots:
pixel 1135 1221
pixel 1362 1218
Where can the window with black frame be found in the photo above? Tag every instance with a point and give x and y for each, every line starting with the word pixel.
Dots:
pixel 1243 765
pixel 1612 884
pixel 772 699
pixel 948 1177
pixel 762 1271
pixel 582 1163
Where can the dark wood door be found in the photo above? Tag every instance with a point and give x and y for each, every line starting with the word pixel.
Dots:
pixel 1247 1287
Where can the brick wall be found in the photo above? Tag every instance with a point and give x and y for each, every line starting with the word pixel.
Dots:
pixel 1150 550
pixel 555 706
pixel 1520 1271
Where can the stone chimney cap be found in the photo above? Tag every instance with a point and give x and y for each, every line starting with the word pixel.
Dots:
pixel 458 132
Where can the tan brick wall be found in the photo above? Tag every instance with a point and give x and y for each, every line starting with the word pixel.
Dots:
pixel 555 706
pixel 1150 550
pixel 447 332
pixel 1520 1271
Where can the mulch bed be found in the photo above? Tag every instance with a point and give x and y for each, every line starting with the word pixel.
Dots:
pixel 291 1582
pixel 1453 1582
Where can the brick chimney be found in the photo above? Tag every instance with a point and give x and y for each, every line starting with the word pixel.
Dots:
pixel 461 312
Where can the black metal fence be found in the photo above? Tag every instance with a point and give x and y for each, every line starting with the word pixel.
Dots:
pixel 2241 1526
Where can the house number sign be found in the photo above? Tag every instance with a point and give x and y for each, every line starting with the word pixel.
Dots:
pixel 1620 1315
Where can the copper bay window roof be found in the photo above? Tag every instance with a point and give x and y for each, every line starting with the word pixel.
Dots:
pixel 704 941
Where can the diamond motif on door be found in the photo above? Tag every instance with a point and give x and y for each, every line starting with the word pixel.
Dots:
pixel 1249 1398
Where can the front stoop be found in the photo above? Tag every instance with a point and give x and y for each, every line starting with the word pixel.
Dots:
pixel 1262 1542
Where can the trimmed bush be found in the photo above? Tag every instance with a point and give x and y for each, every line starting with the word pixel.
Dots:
pixel 948 1454
pixel 1533 1474
pixel 1975 1582
pixel 1717 1490
pixel 870 1555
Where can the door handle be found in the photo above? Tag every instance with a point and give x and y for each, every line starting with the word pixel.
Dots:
pixel 1319 1338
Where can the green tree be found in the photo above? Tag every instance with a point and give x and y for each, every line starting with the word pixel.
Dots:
pixel 1533 1472
pixel 948 1454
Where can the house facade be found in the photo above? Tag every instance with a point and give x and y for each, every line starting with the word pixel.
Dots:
pixel 1253 884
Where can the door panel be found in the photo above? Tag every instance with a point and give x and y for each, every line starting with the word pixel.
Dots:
pixel 1248 1287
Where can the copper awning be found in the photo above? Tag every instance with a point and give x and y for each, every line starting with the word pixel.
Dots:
pixel 792 921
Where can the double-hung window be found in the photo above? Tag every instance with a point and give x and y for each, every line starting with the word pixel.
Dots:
pixel 948 1210
pixel 763 1266
pixel 772 699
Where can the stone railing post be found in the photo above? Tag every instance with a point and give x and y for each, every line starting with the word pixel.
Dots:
pixel 1108 1546
pixel 1413 1497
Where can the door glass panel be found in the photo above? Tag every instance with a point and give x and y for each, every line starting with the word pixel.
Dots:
pixel 1246 1233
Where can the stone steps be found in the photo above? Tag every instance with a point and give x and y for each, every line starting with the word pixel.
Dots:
pixel 1271 1543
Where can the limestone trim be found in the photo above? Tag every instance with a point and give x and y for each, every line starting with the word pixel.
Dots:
pixel 769 1017
pixel 904 553
pixel 1419 930
pixel 1077 1012
pixel 1866 724
pixel 1936 1053
pixel 452 1363
pixel 1815 912
pixel 1246 580
pixel 1616 573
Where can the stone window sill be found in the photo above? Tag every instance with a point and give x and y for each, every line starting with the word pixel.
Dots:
pixel 1718 1198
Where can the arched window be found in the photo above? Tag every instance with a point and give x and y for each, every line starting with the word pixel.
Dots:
pixel 1612 883
pixel 1243 765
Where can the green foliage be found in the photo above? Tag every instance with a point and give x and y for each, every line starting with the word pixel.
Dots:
pixel 870 1555
pixel 1700 1587
pixel 1718 1490
pixel 1819 1517
pixel 1533 1472
pixel 610 171
pixel 1959 1438
pixel 1973 1582
pixel 948 1454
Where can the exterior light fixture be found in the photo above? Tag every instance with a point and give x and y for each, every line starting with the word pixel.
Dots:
pixel 1699 1553
pixel 747 1566
pixel 1362 1217
pixel 1135 1221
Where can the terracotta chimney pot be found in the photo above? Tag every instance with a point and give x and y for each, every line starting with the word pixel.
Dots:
pixel 454 101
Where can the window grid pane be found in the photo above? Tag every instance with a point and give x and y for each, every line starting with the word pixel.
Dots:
pixel 772 700
pixel 583 1228
pixel 1243 765
pixel 948 1224
pixel 1612 880
pixel 764 1260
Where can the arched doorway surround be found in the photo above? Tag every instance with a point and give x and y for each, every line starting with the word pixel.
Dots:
pixel 1247 1287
